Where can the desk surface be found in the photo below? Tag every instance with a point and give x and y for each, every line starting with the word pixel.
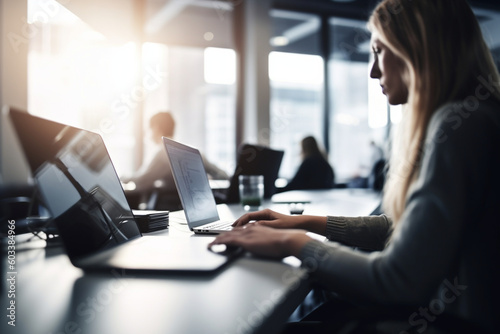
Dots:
pixel 337 202
pixel 249 296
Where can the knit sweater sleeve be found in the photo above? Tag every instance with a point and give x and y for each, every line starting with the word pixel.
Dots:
pixel 368 233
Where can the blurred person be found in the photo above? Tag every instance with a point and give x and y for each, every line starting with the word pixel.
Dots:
pixel 157 173
pixel 314 172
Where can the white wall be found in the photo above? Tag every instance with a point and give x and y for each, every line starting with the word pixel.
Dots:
pixel 14 45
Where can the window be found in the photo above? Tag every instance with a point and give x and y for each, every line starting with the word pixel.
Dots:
pixel 296 104
pixel 76 76
pixel 358 110
pixel 199 90
pixel 197 49
pixel 296 73
pixel 220 117
pixel 103 81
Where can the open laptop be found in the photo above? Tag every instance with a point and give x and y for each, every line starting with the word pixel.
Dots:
pixel 79 186
pixel 194 189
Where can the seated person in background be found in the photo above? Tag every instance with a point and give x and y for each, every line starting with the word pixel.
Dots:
pixel 314 172
pixel 370 172
pixel 157 173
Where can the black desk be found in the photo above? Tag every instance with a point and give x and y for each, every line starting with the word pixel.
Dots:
pixel 249 296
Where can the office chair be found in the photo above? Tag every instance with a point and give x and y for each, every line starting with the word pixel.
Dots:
pixel 254 160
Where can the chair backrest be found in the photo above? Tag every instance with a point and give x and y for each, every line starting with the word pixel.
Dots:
pixel 377 177
pixel 255 160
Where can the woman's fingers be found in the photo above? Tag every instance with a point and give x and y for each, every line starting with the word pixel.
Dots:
pixel 257 239
pixel 237 237
pixel 227 237
pixel 254 216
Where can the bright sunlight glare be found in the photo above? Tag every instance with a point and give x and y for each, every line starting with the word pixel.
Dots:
pixel 377 105
pixel 220 66
pixel 294 68
pixel 396 114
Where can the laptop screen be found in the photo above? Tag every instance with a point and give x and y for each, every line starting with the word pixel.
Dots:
pixel 77 183
pixel 192 183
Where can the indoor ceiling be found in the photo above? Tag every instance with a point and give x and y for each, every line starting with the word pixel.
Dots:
pixel 188 22
pixel 295 24
pixel 355 8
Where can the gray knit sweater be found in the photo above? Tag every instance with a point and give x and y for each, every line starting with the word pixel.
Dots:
pixel 443 256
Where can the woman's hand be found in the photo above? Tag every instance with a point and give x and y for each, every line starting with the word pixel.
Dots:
pixel 264 241
pixel 274 219
pixel 268 218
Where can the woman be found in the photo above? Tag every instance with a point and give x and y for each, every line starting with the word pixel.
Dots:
pixel 314 172
pixel 436 248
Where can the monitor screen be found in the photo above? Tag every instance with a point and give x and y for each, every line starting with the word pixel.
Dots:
pixel 192 183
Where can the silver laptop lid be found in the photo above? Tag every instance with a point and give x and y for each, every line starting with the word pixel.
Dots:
pixel 78 184
pixel 192 183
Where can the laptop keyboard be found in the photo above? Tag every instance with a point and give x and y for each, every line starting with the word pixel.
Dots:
pixel 221 225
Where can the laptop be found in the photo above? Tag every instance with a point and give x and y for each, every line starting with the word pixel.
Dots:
pixel 194 190
pixel 79 186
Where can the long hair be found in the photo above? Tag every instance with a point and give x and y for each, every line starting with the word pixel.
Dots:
pixel 310 147
pixel 445 57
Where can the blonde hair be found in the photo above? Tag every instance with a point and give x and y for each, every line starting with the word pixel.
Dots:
pixel 445 56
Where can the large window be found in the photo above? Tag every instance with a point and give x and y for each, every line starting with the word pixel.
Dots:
pixel 296 104
pixel 112 78
pixel 201 96
pixel 297 85
pixel 197 42
pixel 358 110
pixel 80 76
pixel 220 122
pixel 76 76
pixel 86 76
